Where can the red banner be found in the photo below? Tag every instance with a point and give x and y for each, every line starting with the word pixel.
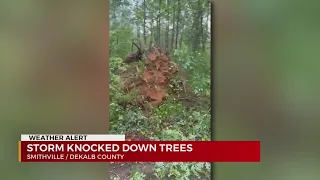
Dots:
pixel 139 151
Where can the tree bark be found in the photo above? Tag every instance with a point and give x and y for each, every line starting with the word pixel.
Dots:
pixel 178 20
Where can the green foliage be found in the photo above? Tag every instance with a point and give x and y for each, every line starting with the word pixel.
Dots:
pixel 172 120
pixel 136 175
pixel 176 170
pixel 183 171
pixel 198 67
pixel 120 42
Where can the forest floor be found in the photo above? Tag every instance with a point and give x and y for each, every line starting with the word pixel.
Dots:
pixel 151 82
pixel 122 171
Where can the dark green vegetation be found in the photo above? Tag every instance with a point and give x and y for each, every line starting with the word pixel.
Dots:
pixel 183 28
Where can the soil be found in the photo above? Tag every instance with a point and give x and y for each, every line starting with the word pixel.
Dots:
pixel 153 80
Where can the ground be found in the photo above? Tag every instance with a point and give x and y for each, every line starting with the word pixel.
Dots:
pixel 122 171
pixel 151 100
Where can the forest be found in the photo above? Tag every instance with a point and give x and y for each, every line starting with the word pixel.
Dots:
pixel 165 93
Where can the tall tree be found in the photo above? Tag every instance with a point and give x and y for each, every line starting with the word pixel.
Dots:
pixel 197 25
pixel 159 23
pixel 178 21
pixel 168 24
pixel 144 22
pixel 173 23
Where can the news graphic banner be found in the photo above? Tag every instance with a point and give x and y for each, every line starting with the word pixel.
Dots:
pixel 114 148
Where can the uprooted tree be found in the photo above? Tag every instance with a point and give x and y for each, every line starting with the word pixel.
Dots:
pixel 154 80
pixel 134 57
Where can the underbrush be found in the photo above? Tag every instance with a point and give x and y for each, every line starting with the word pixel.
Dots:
pixel 172 120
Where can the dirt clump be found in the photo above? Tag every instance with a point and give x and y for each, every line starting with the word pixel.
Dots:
pixel 153 80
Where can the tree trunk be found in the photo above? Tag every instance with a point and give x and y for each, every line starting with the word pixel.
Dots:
pixel 202 33
pixel 151 29
pixel 197 27
pixel 173 23
pixel 144 22
pixel 206 30
pixel 178 20
pixel 168 20
pixel 159 24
